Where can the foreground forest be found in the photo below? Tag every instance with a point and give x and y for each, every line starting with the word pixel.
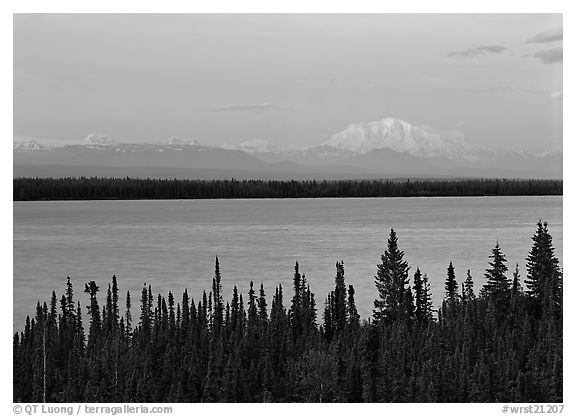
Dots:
pixel 502 343
pixel 31 189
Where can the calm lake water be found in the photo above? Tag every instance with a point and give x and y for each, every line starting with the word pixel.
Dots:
pixel 171 244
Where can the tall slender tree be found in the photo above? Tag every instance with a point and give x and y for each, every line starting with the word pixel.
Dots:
pixel 340 313
pixel 391 280
pixel 543 277
pixel 451 286
pixel 95 321
pixel 218 300
pixel 353 315
pixel 468 292
pixel 262 307
pixel 497 283
pixel 421 298
pixel 516 286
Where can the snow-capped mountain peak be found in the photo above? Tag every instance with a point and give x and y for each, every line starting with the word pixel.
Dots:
pixel 401 136
pixel 257 146
pixel 29 145
pixel 178 141
pixel 99 139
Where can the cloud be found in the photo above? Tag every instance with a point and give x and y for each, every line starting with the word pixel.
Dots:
pixel 550 56
pixel 503 90
pixel 546 37
pixel 478 50
pixel 557 95
pixel 246 107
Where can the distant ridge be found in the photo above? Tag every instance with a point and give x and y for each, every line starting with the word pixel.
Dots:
pixel 385 148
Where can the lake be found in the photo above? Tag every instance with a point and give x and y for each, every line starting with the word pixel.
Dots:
pixel 172 244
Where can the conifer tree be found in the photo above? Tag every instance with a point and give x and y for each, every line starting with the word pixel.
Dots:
pixel 340 313
pixel 80 335
pixel 235 310
pixel 468 292
pixel 171 315
pixel 150 305
pixel 427 298
pixel 185 325
pixel 94 310
pixel 108 316
pixel 497 283
pixel 145 321
pixel 296 308
pixel 128 315
pixel 328 318
pixel 451 285
pixel 353 315
pixel 252 309
pixel 420 298
pixel 115 310
pixel 70 306
pixel 543 278
pixel 391 280
pixel 516 286
pixel 262 307
pixel 218 300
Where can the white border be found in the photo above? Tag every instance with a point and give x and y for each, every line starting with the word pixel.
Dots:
pixel 300 6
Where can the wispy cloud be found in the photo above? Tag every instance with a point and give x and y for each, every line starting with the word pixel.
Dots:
pixel 547 37
pixel 476 51
pixel 550 56
pixel 246 107
pixel 556 95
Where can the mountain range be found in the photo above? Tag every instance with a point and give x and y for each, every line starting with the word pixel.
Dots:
pixel 386 148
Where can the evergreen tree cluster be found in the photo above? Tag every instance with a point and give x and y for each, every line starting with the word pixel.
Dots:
pixel 31 189
pixel 504 345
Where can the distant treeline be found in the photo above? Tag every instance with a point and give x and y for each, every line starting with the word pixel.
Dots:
pixel 31 189
pixel 502 343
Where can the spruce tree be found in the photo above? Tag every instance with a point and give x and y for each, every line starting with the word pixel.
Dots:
pixel 516 287
pixel 543 277
pixel 451 285
pixel 262 307
pixel 296 308
pixel 252 310
pixel 469 287
pixel 94 338
pixel 108 317
pixel 145 324
pixel 235 310
pixel 185 326
pixel 70 306
pixel 420 301
pixel 391 280
pixel 128 315
pixel 115 309
pixel 497 283
pixel 328 317
pixel 217 296
pixel 353 315
pixel 340 313
pixel 427 298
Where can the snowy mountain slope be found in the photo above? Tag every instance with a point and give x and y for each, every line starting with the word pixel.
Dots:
pixel 29 146
pixel 385 147
pixel 401 136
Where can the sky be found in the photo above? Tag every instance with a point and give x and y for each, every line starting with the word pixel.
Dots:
pixel 287 78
